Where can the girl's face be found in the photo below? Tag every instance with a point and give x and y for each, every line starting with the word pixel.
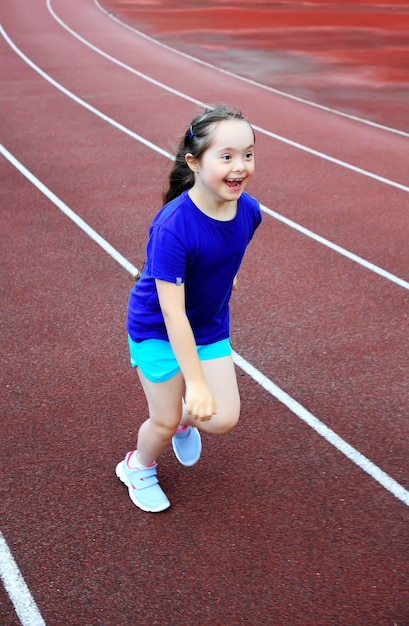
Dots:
pixel 227 165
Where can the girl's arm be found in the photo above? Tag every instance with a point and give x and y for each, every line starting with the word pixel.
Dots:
pixel 199 399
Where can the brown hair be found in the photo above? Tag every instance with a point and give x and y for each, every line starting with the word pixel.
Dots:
pixel 195 141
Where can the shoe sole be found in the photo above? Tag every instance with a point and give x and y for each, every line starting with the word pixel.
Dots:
pixel 191 461
pixel 119 471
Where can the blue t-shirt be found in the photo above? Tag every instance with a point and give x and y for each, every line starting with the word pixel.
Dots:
pixel 187 247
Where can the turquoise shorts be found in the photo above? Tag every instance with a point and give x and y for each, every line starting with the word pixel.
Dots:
pixel 157 362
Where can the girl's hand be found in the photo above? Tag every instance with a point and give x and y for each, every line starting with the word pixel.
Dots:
pixel 199 400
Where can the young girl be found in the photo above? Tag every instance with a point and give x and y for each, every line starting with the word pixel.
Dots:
pixel 178 311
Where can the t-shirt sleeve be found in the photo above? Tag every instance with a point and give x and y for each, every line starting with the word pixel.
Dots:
pixel 166 255
pixel 259 217
pixel 256 215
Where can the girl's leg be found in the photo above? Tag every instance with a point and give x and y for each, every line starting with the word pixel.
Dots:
pixel 220 375
pixel 165 412
pixel 165 407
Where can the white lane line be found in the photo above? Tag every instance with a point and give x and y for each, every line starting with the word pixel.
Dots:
pixel 249 81
pixel 336 248
pixel 69 212
pixel 305 231
pixel 295 407
pixel 13 581
pixel 326 433
pixel 83 103
pixel 107 56
pixel 289 142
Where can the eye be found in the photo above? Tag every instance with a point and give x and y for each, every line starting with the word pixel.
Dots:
pixel 226 157
pixel 248 156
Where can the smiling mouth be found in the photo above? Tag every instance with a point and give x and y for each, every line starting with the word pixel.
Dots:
pixel 234 183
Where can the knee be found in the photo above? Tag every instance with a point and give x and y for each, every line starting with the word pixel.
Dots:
pixel 165 427
pixel 223 423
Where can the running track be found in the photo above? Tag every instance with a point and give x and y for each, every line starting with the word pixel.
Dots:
pixel 300 516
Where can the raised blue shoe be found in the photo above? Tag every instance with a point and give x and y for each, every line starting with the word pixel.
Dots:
pixel 144 489
pixel 187 445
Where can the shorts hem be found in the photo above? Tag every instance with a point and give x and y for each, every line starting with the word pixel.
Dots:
pixel 164 366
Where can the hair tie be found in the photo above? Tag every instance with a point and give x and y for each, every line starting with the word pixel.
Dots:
pixel 191 133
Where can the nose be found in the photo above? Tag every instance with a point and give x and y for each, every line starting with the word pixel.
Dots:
pixel 239 164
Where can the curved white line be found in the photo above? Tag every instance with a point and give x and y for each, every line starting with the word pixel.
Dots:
pixel 83 103
pixel 64 208
pixel 268 133
pixel 295 407
pixel 333 246
pixel 249 80
pixel 13 581
pixel 124 66
pixel 374 268
pixel 329 435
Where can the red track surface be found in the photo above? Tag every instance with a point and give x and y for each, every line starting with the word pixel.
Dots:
pixel 343 54
pixel 274 525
